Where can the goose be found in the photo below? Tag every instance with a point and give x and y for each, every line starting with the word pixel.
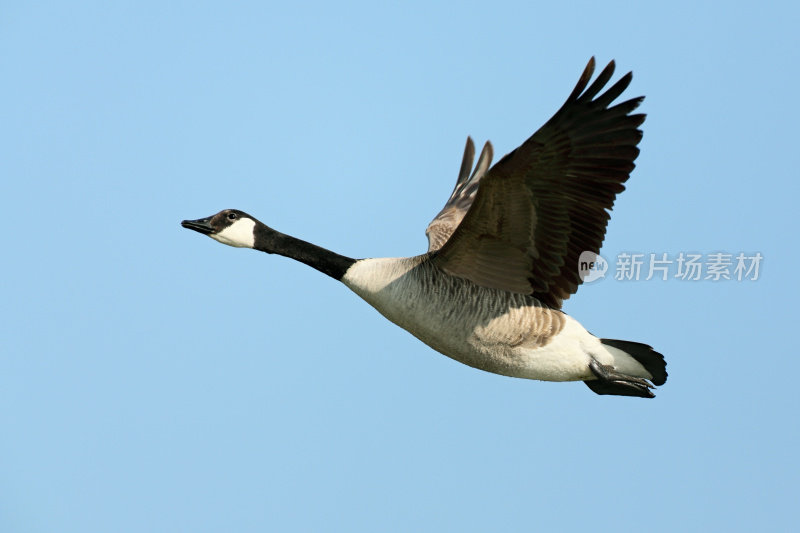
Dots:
pixel 503 253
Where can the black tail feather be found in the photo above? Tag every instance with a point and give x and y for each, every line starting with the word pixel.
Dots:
pixel 650 359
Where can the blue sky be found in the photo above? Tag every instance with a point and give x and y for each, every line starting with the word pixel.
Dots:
pixel 153 380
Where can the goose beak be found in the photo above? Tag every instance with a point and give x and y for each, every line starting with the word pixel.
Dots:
pixel 201 225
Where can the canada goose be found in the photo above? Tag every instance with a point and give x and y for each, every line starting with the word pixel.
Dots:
pixel 503 252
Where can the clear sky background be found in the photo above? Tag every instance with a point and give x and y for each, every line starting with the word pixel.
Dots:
pixel 154 380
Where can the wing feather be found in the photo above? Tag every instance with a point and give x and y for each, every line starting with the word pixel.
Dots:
pixel 544 203
pixel 448 219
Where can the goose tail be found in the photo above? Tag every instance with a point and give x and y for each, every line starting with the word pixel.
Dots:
pixel 651 360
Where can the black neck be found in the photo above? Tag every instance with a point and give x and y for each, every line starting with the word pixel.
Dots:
pixel 274 242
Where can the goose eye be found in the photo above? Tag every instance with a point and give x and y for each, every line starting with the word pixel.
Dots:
pixel 232 216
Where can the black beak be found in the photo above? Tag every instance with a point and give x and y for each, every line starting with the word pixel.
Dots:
pixel 201 225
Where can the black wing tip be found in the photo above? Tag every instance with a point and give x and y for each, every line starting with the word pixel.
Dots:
pixel 583 81
pixel 583 94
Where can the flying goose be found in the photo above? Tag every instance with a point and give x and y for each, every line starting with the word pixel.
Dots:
pixel 503 252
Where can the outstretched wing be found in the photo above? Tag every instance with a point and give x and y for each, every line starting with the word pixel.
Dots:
pixel 443 224
pixel 543 204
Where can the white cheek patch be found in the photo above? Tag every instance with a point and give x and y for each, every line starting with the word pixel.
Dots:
pixel 239 234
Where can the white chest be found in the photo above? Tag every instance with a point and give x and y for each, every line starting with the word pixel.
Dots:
pixel 403 292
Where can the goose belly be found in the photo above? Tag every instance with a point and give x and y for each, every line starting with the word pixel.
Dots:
pixel 496 331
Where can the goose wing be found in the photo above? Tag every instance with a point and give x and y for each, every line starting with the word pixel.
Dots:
pixel 544 203
pixel 443 224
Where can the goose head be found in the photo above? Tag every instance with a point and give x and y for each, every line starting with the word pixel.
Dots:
pixel 229 226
